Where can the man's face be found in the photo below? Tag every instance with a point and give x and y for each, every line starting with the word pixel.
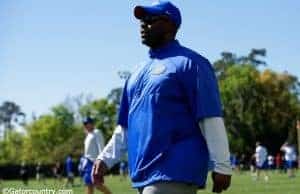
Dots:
pixel 89 127
pixel 154 30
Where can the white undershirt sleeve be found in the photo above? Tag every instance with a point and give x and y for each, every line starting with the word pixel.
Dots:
pixel 115 148
pixel 214 132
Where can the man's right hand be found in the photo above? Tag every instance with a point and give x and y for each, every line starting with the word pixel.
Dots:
pixel 99 169
pixel 221 182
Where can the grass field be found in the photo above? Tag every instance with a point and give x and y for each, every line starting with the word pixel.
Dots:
pixel 241 184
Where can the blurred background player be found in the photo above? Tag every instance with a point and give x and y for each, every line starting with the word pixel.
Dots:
pixel 234 162
pixel 123 170
pixel 39 173
pixel 279 162
pixel 261 154
pixel 0 177
pixel 253 165
pixel 290 157
pixel 271 163
pixel 80 167
pixel 93 145
pixel 24 173
pixel 69 171
pixel 243 163
pixel 57 172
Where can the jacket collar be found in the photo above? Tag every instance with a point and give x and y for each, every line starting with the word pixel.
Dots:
pixel 165 49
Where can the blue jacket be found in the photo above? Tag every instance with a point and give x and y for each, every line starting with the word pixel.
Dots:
pixel 161 106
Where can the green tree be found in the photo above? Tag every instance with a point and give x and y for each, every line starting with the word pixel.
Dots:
pixel 10 113
pixel 11 148
pixel 115 96
pixel 47 133
pixel 238 96
pixel 73 145
pixel 64 115
pixel 259 106
pixel 229 59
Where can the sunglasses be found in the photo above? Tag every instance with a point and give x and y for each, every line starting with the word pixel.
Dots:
pixel 150 19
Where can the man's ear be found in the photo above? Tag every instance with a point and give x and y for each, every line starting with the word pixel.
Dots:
pixel 171 30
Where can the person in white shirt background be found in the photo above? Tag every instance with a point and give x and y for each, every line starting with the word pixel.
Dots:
pixel 271 163
pixel 261 155
pixel 290 158
pixel 93 145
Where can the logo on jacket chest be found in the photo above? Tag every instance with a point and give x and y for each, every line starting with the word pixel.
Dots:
pixel 158 69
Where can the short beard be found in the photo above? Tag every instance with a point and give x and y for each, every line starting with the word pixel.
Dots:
pixel 155 40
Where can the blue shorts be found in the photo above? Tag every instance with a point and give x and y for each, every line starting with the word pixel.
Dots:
pixel 289 164
pixel 263 166
pixel 70 175
pixel 87 172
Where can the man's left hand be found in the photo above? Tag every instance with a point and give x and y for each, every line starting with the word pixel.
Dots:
pixel 221 182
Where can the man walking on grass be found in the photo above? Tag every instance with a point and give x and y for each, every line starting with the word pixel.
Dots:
pixel 170 119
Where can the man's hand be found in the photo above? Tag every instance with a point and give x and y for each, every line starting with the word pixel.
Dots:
pixel 99 169
pixel 221 182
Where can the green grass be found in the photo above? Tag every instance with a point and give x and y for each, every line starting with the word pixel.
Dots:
pixel 241 184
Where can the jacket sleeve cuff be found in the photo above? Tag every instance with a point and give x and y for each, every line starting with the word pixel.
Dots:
pixel 115 149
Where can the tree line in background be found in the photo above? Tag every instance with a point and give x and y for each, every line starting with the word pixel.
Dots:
pixel 258 104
